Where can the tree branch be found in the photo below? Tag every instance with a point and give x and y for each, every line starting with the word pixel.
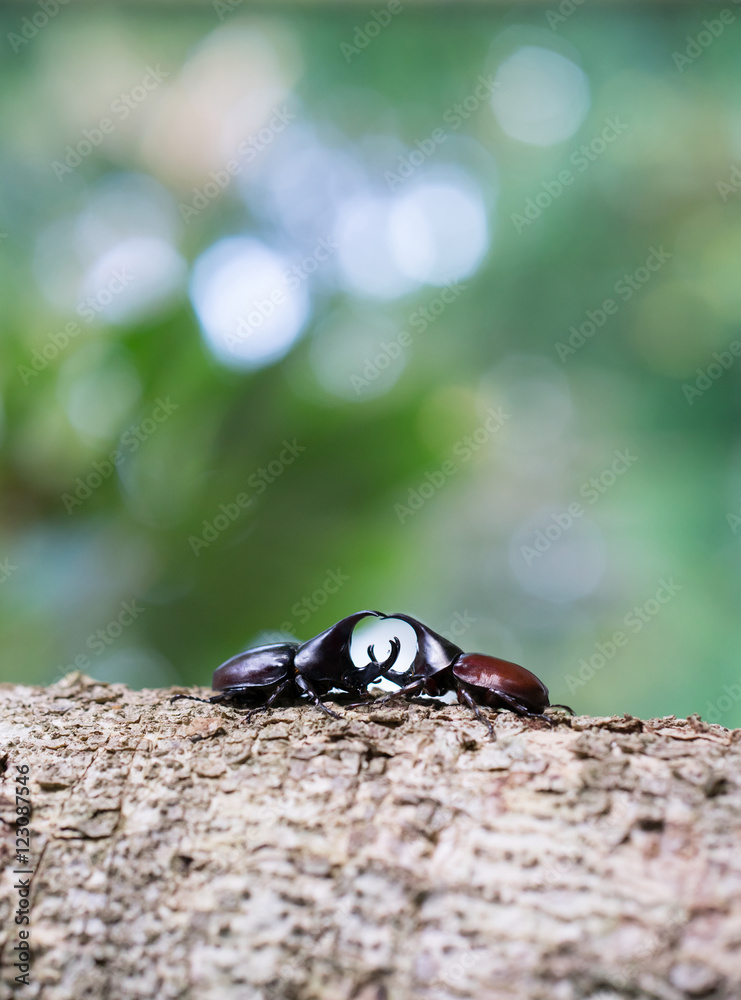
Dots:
pixel 398 852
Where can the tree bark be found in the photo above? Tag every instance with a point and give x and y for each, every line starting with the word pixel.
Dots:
pixel 178 851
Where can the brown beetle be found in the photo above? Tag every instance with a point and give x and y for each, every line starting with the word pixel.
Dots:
pixel 440 666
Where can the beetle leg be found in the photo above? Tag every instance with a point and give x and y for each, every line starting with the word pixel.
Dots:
pixel 303 685
pixel 515 706
pixel 191 697
pixel 535 715
pixel 396 678
pixel 523 713
pixel 463 694
pixel 262 708
pixel 565 708
pixel 414 688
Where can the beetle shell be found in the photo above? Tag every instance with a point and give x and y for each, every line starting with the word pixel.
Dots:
pixel 500 677
pixel 261 667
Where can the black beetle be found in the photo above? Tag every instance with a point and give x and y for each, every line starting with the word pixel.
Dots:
pixel 440 666
pixel 257 677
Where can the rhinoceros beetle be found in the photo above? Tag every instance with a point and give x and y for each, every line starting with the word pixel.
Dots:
pixel 440 666
pixel 257 677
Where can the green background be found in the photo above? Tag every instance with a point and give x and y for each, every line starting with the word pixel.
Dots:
pixel 465 555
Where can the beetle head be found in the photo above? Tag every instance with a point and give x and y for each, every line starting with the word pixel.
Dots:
pixel 327 655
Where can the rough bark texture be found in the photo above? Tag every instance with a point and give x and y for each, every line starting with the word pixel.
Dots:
pixel 398 853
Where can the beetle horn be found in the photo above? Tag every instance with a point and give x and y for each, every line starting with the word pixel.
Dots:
pixel 434 652
pixel 333 643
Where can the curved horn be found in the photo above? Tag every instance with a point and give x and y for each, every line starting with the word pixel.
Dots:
pixel 434 652
pixel 331 645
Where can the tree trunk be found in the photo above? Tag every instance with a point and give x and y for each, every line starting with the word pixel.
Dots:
pixel 178 851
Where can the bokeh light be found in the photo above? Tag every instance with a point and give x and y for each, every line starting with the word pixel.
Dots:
pixel 249 314
pixel 558 557
pixel 367 263
pixel 399 316
pixel 116 259
pixel 541 97
pixel 438 232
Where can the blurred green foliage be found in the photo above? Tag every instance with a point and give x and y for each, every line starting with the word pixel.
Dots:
pixel 555 250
